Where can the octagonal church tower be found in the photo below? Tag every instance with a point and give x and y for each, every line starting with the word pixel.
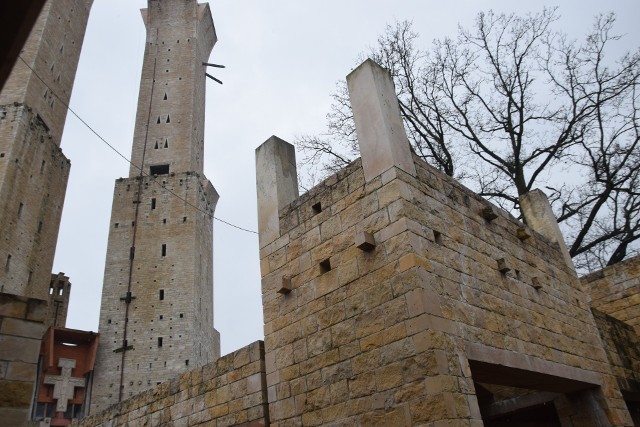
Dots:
pixel 156 316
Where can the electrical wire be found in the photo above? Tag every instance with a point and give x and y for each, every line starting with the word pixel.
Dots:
pixel 142 172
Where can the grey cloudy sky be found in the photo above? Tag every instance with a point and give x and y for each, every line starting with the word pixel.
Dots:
pixel 283 60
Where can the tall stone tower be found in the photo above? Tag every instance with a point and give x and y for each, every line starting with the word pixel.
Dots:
pixel 156 317
pixel 33 169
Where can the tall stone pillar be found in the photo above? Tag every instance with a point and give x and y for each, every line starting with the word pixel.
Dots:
pixel 381 135
pixel 156 315
pixel 33 182
pixel 537 211
pixel 277 184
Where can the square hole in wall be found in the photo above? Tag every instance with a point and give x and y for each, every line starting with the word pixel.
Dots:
pixel 325 266
pixel 437 236
pixel 317 208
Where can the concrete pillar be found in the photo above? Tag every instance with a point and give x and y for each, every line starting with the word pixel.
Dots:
pixel 381 135
pixel 538 214
pixel 276 184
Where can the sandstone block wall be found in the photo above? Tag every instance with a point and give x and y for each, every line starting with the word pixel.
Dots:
pixel 228 392
pixel 21 329
pixel 386 336
pixel 615 290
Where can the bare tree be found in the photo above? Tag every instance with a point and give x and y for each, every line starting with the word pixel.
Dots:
pixel 511 105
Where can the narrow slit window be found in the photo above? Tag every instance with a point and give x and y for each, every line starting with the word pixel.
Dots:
pixel 156 146
pixel 164 249
pixel 153 203
pixel 39 226
pixel 60 291
pixel 168 119
pixel 30 278
pixel 165 97
pixel 161 294
pixel 159 342
pixel 158 119
pixel 166 143
pixel 42 166
pixel 8 264
pixel 51 289
pixel 437 237
pixel 20 209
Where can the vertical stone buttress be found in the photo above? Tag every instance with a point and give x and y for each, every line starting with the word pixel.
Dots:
pixel 156 317
pixel 33 169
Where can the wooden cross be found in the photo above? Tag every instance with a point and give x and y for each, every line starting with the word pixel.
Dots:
pixel 64 385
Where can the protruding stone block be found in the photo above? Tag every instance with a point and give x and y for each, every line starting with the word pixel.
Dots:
pixel 503 267
pixel 365 241
pixel 286 286
pixel 488 213
pixel 522 234
pixel 276 183
pixel 538 214
pixel 381 135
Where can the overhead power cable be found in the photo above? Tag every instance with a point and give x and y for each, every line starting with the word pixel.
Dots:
pixel 153 177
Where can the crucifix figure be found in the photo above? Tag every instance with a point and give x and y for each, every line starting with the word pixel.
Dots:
pixel 64 385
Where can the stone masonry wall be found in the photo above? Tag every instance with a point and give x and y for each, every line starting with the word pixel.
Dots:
pixel 623 351
pixel 169 320
pixel 228 392
pixel 615 291
pixel 29 219
pixel 445 288
pixel 21 329
pixel 52 51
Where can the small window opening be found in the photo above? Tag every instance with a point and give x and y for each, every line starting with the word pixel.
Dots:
pixel 181 315
pixel 1 154
pixel 186 362
pixel 166 143
pixel 161 317
pixel 51 289
pixel 20 209
pixel 42 166
pixel 165 96
pixel 156 146
pixel 168 119
pixel 437 237
pixel 8 264
pixel 161 294
pixel 158 119
pixel 116 225
pixel 159 170
pixel 184 219
pixel 317 208
pixel 60 291
pixel 109 321
pixel 164 250
pixel 39 226
pixel 153 203
pixel 164 221
pixel 325 266
pixel 30 277
pixel 159 341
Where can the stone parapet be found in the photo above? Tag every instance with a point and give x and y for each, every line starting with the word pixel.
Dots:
pixel 228 392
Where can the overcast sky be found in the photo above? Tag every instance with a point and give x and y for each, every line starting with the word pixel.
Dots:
pixel 283 60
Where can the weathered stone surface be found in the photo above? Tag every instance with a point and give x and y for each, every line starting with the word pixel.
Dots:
pixel 159 265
